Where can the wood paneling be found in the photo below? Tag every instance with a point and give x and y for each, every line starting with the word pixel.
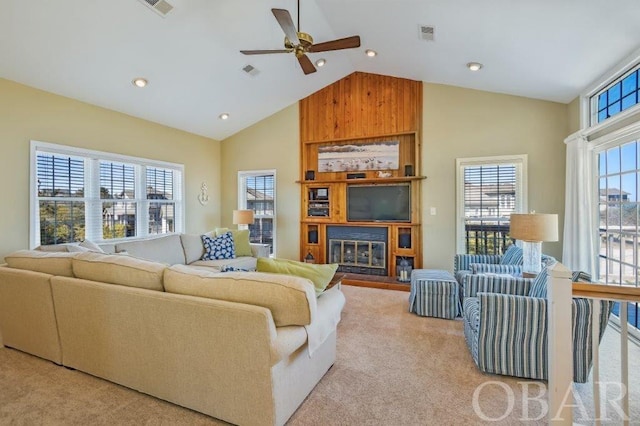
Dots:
pixel 361 106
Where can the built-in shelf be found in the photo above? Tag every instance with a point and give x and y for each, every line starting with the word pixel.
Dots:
pixel 366 180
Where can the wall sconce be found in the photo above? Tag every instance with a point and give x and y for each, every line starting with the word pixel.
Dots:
pixel 532 229
pixel 203 197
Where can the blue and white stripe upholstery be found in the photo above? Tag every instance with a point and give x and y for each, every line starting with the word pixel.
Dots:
pixel 434 293
pixel 479 268
pixel 461 262
pixel 513 256
pixel 486 283
pixel 507 333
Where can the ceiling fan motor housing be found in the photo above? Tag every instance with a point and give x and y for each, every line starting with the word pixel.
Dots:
pixel 305 41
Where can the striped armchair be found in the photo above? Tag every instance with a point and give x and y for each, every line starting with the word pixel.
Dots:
pixel 505 325
pixel 508 263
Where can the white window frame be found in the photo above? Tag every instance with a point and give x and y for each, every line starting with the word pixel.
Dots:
pixel 520 162
pixel 92 199
pixel 601 83
pixel 242 198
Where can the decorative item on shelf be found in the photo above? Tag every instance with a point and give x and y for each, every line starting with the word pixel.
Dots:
pixel 309 258
pixel 532 229
pixel 242 218
pixel 408 170
pixel 203 197
pixel 382 174
pixel 310 175
pixel 404 270
pixel 404 240
pixel 313 236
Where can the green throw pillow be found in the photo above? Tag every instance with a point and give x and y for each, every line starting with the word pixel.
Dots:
pixel 240 240
pixel 320 275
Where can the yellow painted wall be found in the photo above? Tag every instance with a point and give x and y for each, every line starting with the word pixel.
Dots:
pixel 573 111
pixel 30 114
pixel 271 144
pixel 462 123
pixel 457 122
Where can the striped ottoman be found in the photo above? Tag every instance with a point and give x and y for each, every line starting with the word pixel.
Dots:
pixel 434 293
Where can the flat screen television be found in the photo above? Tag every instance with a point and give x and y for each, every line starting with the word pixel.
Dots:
pixel 379 203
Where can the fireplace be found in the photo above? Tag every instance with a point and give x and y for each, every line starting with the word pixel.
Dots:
pixel 358 249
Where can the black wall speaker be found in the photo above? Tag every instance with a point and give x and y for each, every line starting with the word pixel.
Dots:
pixel 310 175
pixel 408 170
pixel 313 237
pixel 404 240
pixel 356 175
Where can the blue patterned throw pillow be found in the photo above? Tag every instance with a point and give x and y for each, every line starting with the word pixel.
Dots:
pixel 228 268
pixel 220 247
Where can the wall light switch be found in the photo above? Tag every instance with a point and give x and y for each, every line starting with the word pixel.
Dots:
pixel 433 211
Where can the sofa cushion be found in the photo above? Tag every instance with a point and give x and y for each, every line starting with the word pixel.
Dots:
pixel 245 262
pixel 513 256
pixel 192 246
pixel 117 269
pixel 220 247
pixel 166 249
pixel 241 242
pixel 320 275
pixel 290 299
pixel 48 262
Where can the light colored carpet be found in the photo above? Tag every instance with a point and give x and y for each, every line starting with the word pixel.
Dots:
pixel 393 368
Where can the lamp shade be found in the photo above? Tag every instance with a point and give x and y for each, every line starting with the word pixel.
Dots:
pixel 242 217
pixel 534 227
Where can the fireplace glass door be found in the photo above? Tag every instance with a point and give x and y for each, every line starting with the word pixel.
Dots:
pixel 358 254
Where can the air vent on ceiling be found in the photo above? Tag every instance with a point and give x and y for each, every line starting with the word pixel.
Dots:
pixel 251 70
pixel 161 7
pixel 427 32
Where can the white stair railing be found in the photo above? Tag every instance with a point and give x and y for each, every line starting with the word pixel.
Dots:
pixel 560 355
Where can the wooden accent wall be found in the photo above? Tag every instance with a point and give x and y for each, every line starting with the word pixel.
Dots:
pixel 361 106
pixel 359 109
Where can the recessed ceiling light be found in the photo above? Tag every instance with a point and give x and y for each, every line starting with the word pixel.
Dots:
pixel 224 116
pixel 320 62
pixel 139 82
pixel 474 66
pixel 370 53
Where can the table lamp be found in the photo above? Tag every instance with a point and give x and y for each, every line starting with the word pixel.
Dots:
pixel 242 217
pixel 532 229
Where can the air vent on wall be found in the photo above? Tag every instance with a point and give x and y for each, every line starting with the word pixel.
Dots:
pixel 427 32
pixel 161 7
pixel 251 70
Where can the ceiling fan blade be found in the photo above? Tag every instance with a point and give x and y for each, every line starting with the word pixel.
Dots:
pixel 343 43
pixel 305 63
pixel 284 19
pixel 261 52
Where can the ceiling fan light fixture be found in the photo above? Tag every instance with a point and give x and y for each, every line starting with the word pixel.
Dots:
pixel 139 82
pixel 370 53
pixel 320 62
pixel 224 116
pixel 474 66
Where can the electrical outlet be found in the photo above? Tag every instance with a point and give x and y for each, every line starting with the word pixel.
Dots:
pixel 433 211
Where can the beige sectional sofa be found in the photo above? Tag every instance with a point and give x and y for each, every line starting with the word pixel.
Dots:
pixel 244 347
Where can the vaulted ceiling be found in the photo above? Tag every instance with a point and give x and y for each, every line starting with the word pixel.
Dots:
pixel 92 50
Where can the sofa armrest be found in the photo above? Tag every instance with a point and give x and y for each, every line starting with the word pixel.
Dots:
pixel 260 250
pixel 474 284
pixel 503 345
pixel 462 261
pixel 479 268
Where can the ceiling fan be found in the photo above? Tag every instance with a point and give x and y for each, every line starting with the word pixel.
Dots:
pixel 302 43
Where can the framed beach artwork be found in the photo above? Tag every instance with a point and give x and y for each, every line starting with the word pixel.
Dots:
pixel 359 157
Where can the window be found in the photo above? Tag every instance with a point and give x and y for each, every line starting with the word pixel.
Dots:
pixel 256 191
pixel 489 190
pixel 618 227
pixel 80 194
pixel 618 96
